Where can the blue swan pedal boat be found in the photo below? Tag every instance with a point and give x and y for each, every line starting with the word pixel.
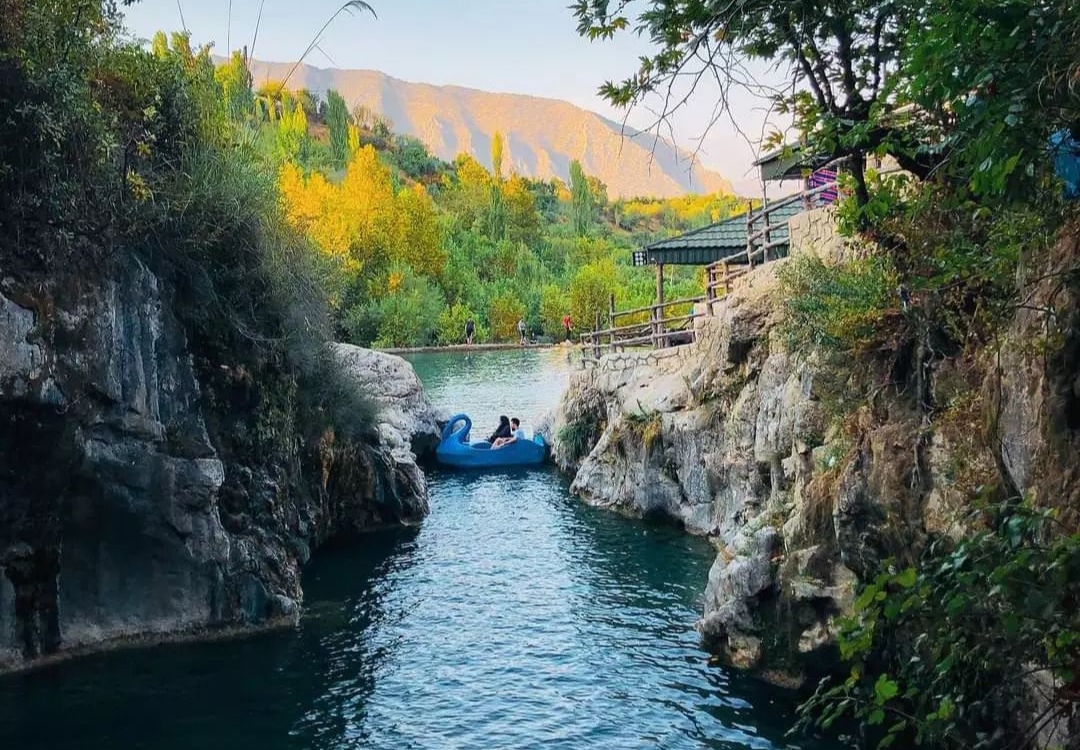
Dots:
pixel 456 450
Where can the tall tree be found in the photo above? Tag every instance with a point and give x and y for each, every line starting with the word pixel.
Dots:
pixel 496 199
pixel 337 120
pixel 497 156
pixel 838 56
pixel 581 199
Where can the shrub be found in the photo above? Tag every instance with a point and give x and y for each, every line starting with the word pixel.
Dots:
pixel 409 311
pixel 837 307
pixel 948 654
pixel 578 438
pixel 451 329
pixel 590 293
pixel 503 315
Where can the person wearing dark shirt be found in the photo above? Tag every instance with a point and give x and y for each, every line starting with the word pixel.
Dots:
pixel 502 431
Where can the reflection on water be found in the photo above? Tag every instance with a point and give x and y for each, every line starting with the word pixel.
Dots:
pixel 515 617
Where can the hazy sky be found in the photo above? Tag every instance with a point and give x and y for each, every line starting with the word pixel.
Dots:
pixel 511 46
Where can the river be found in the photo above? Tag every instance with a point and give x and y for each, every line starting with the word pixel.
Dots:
pixel 514 617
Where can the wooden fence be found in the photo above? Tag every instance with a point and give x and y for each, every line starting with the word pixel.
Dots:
pixel 760 241
pixel 662 328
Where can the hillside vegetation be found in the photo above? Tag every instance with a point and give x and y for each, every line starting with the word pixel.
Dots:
pixel 415 246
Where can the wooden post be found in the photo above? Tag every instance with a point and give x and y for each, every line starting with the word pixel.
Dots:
pixel 654 326
pixel 727 280
pixel 596 337
pixel 749 232
pixel 611 320
pixel 659 311
pixel 767 236
pixel 710 290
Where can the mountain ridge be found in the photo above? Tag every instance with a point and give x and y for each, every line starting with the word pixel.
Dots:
pixel 541 134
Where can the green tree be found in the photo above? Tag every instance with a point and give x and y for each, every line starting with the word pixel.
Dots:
pixel 837 57
pixel 337 121
pixel 590 293
pixel 235 82
pixel 497 156
pixel 496 213
pixel 553 306
pixel 581 198
pixel 504 312
pixel 452 324
pixel 291 131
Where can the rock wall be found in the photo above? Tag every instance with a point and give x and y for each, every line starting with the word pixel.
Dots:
pixel 731 437
pixel 121 517
pixel 815 232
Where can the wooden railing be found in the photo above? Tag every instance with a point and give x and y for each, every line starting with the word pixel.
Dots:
pixel 759 242
pixel 657 332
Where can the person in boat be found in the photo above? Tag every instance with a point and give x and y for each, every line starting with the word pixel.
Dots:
pixel 501 432
pixel 470 329
pixel 516 433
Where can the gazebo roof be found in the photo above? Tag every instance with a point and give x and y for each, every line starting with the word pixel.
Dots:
pixel 788 163
pixel 725 240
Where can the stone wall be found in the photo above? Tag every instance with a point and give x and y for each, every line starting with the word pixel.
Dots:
pixel 815 232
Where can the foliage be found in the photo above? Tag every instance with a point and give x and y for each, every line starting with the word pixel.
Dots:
pixel 554 305
pixel 590 293
pixel 503 315
pixel 113 153
pixel 451 326
pixel 952 653
pixel 337 121
pixel 581 199
pixel 839 307
pixel 408 310
pixel 578 438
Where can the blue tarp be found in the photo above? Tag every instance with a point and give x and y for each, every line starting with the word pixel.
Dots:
pixel 1066 152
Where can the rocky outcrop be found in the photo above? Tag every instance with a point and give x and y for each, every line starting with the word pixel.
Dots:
pixel 724 437
pixel 739 439
pixel 123 514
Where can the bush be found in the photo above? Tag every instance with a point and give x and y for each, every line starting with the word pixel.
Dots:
pixel 452 325
pixel 503 315
pixel 948 654
pixel 590 294
pixel 840 308
pixel 409 312
pixel 553 307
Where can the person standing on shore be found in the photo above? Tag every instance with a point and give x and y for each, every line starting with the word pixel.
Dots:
pixel 470 329
pixel 567 325
pixel 521 331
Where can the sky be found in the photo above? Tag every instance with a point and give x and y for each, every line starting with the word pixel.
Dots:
pixel 504 46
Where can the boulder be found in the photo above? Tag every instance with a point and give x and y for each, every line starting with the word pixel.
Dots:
pixel 407 421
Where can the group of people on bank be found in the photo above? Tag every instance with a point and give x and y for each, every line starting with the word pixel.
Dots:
pixel 470 330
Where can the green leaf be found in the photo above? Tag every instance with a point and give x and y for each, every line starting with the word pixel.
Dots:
pixel 885 689
pixel 907 579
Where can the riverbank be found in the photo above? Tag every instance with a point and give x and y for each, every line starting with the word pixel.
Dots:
pixel 465 348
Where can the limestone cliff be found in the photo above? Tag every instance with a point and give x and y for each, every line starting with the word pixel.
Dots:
pixel 805 492
pixel 127 510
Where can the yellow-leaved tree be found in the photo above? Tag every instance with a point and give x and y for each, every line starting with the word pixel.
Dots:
pixel 419 241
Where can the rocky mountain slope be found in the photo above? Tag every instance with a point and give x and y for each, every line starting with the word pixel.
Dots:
pixel 125 516
pixel 541 135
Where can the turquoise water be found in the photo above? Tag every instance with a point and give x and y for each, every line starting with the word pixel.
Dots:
pixel 514 617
